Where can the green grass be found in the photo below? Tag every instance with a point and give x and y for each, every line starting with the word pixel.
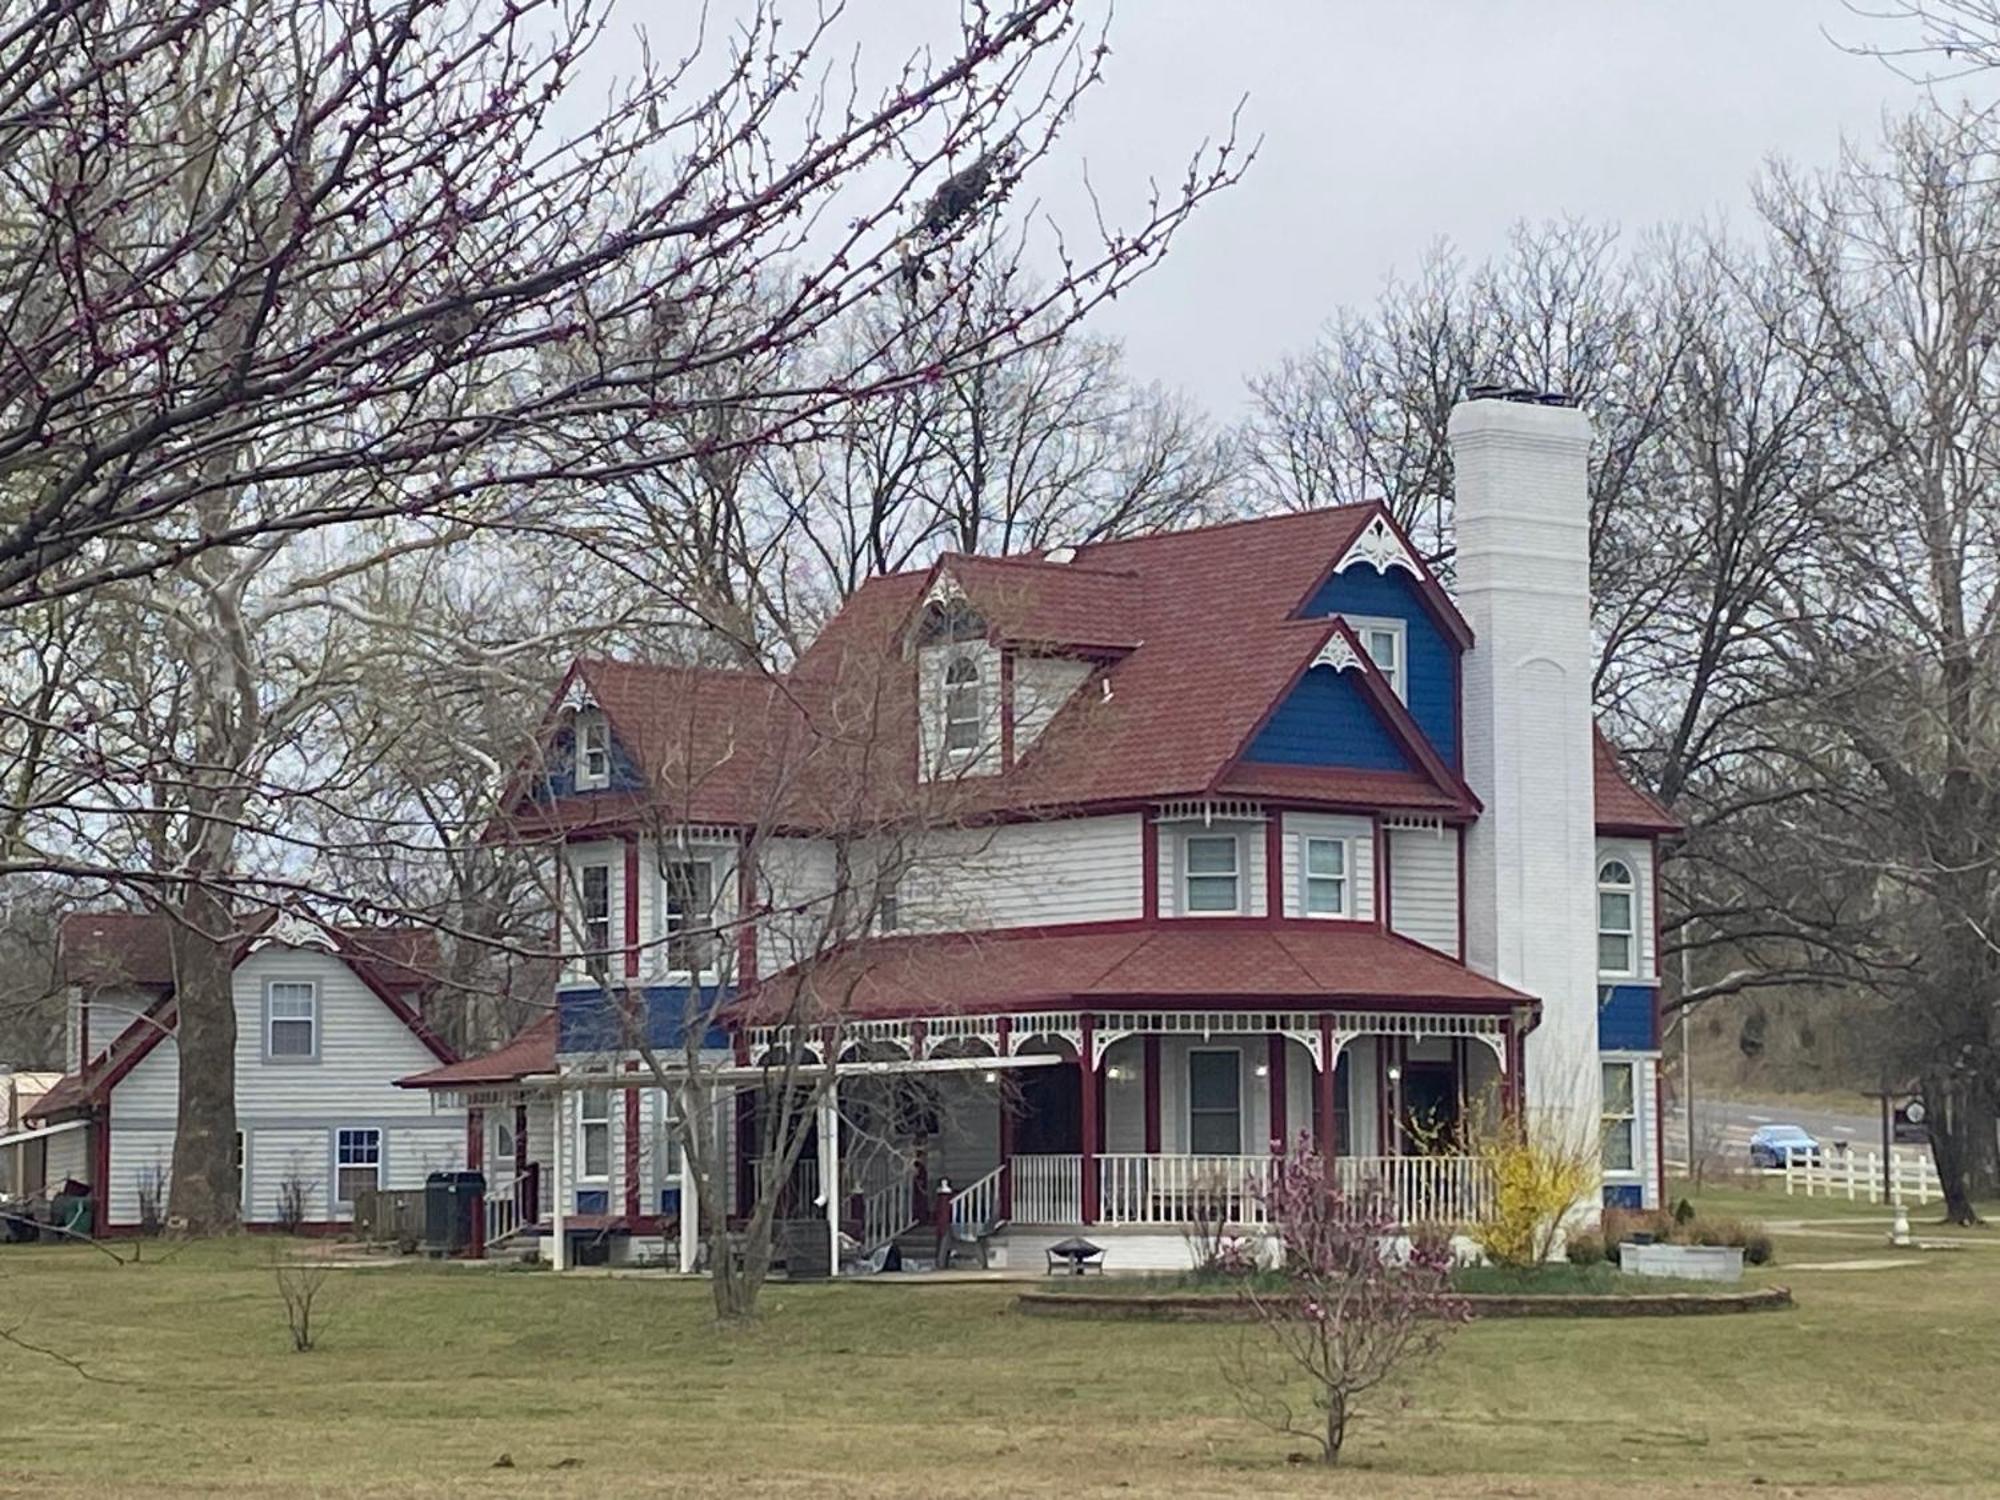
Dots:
pixel 1878 1382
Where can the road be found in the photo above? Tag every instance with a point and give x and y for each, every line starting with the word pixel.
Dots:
pixel 1722 1127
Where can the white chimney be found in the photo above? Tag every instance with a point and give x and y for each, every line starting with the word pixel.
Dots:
pixel 1523 561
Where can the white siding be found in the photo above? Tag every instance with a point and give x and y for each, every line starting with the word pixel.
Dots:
pixel 1042 685
pixel 288 1111
pixel 1360 836
pixel 1026 875
pixel 607 852
pixel 653 958
pixel 1423 886
pixel 931 664
pixel 1638 856
pixel 795 879
pixel 68 1155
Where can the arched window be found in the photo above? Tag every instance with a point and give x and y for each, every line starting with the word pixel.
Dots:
pixel 962 716
pixel 1617 914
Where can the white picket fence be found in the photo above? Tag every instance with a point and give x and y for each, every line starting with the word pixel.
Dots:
pixel 1859 1176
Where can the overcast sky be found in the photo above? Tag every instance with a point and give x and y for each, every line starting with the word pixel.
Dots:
pixel 1389 124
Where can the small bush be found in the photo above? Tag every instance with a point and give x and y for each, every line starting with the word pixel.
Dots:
pixel 1758 1249
pixel 1586 1249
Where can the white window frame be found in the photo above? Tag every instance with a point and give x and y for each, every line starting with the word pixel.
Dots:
pixel 1235 1056
pixel 585 1124
pixel 594 943
pixel 669 927
pixel 593 751
pixel 1236 874
pixel 339 1166
pixel 1343 883
pixel 1620 1123
pixel 500 1159
pixel 272 1019
pixel 951 708
pixel 1398 671
pixel 1629 889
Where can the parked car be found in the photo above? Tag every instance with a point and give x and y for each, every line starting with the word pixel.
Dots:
pixel 1777 1145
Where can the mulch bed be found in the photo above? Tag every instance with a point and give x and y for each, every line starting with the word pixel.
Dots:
pixel 1197 1307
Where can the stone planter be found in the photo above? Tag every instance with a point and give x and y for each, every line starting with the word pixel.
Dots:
pixel 1683 1262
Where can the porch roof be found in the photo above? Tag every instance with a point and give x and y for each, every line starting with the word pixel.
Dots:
pixel 1219 963
pixel 531 1051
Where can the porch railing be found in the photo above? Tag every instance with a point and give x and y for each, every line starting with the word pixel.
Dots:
pixel 1047 1189
pixel 977 1204
pixel 504 1208
pixel 1173 1190
pixel 886 1212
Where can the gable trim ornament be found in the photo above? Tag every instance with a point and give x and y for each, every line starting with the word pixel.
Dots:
pixel 1380 548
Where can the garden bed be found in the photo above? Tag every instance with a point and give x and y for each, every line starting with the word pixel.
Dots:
pixel 1558 1292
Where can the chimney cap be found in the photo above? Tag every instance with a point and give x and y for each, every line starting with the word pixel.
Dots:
pixel 1519 394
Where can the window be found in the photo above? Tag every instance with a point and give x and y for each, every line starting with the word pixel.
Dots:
pixel 593 751
pixel 1215 1103
pixel 499 1150
pixel 593 1134
pixel 1212 876
pixel 689 887
pixel 889 907
pixel 593 883
pixel 239 1175
pixel 1384 642
pixel 962 713
pixel 1620 1117
pixel 1616 912
pixel 357 1163
pixel 1326 877
pixel 291 1019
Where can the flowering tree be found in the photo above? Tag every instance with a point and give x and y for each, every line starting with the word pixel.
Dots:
pixel 1352 1307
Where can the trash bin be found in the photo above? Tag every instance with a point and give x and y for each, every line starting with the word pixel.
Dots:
pixel 451 1207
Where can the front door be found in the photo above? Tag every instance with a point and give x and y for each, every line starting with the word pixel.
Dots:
pixel 1430 1109
pixel 1049 1121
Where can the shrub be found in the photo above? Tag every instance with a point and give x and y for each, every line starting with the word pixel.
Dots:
pixel 1538 1178
pixel 1758 1249
pixel 1585 1249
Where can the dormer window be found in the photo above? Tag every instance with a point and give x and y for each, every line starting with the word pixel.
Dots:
pixel 964 719
pixel 593 751
pixel 1385 641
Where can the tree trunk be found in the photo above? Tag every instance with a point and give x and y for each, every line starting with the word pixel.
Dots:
pixel 1952 1123
pixel 1336 1425
pixel 202 1199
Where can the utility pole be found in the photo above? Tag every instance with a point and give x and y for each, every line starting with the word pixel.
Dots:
pixel 1687 1061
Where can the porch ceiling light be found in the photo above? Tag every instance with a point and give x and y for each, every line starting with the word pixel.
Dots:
pixel 1395 1073
pixel 1262 1070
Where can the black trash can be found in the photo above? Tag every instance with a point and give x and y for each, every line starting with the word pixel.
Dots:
pixel 451 1209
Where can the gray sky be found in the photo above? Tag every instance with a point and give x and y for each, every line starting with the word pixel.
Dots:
pixel 1389 124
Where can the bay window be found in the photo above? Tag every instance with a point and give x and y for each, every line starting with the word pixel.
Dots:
pixel 1621 1117
pixel 1326 877
pixel 1213 879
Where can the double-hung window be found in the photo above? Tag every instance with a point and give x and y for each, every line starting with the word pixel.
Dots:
pixel 1213 881
pixel 962 709
pixel 593 1134
pixel 357 1162
pixel 1385 641
pixel 689 888
pixel 593 889
pixel 1215 1103
pixel 291 1019
pixel 1326 877
pixel 593 751
pixel 1621 1117
pixel 1617 914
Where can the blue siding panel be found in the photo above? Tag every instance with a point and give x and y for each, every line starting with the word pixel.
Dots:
pixel 1326 721
pixel 588 1022
pixel 1432 665
pixel 561 778
pixel 1625 1019
pixel 1624 1195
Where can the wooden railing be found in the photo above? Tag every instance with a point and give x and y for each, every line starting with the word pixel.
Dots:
pixel 1911 1176
pixel 887 1212
pixel 1135 1189
pixel 504 1208
pixel 1439 1190
pixel 977 1204
pixel 1047 1189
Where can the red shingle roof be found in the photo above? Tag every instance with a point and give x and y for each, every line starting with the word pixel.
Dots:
pixel 1623 806
pixel 1222 963
pixel 1031 602
pixel 101 949
pixel 533 1051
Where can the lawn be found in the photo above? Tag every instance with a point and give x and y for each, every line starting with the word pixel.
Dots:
pixel 1880 1382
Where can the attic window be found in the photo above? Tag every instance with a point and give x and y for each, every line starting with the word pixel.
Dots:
pixel 1386 642
pixel 963 718
pixel 593 751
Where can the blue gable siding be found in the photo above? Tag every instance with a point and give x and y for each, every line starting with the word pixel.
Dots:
pixel 561 779
pixel 1327 722
pixel 1625 1019
pixel 1431 669
pixel 586 1020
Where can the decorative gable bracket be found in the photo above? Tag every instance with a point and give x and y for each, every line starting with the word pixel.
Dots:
pixel 1381 548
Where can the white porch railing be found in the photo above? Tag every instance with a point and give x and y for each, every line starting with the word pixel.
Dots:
pixel 503 1208
pixel 1911 1176
pixel 1172 1190
pixel 977 1204
pixel 887 1212
pixel 1048 1189
pixel 1134 1189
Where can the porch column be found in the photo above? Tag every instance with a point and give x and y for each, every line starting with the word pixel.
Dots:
pixel 1327 1124
pixel 690 1211
pixel 1003 1092
pixel 559 1186
pixel 829 1171
pixel 1087 1075
pixel 475 1161
pixel 531 1209
pixel 631 1163
pixel 1151 1048
pixel 1276 1104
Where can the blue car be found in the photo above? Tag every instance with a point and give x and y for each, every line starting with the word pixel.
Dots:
pixel 1777 1145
